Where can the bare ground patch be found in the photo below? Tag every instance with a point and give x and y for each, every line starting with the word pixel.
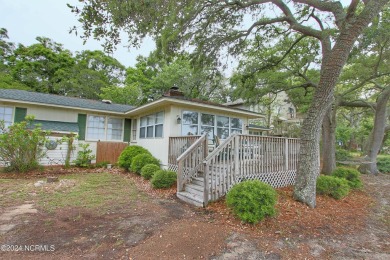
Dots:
pixel 142 223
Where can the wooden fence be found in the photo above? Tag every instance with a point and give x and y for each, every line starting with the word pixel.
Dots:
pixel 109 151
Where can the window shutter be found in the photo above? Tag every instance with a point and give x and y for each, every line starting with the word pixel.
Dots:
pixel 82 122
pixel 127 130
pixel 20 114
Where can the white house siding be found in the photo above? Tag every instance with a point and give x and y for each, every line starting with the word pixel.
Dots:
pixel 52 114
pixel 58 155
pixel 157 146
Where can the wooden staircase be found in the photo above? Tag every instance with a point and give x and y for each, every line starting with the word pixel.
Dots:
pixel 193 192
pixel 204 177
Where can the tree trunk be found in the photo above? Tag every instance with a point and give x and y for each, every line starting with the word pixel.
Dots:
pixel 333 60
pixel 377 134
pixel 329 141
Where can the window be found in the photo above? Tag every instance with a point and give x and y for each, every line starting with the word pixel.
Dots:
pixel 223 127
pixel 104 128
pixel 134 129
pixel 207 125
pixel 6 115
pixel 114 129
pixel 152 126
pixel 194 123
pixel 236 125
pixel 190 123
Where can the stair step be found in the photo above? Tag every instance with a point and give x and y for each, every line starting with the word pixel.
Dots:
pixel 194 189
pixel 190 198
pixel 198 181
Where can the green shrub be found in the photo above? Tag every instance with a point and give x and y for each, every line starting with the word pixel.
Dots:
pixel 332 186
pixel 21 145
pixel 148 171
pixel 383 164
pixel 84 156
pixel 343 155
pixel 252 201
pixel 141 160
pixel 163 179
pixel 350 174
pixel 128 154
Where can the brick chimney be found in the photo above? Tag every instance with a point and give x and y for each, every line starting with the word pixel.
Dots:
pixel 174 92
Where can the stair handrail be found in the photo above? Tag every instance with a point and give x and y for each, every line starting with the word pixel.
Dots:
pixel 206 163
pixel 180 160
pixel 219 148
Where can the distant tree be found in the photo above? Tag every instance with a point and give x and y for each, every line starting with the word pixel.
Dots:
pixel 91 72
pixel 128 95
pixel 41 65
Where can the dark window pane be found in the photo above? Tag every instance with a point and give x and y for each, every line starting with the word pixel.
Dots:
pixel 159 131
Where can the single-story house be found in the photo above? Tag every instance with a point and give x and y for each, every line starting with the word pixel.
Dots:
pixel 97 122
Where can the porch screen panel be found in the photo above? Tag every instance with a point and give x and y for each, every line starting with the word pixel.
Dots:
pixel 236 125
pixel 223 127
pixel 190 123
pixel 207 125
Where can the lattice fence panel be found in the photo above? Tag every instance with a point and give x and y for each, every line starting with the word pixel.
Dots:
pixel 275 179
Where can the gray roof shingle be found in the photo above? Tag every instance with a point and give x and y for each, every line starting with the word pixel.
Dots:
pixel 42 98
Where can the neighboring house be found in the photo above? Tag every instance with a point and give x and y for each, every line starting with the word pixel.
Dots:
pixel 90 120
pixel 151 125
pixel 282 115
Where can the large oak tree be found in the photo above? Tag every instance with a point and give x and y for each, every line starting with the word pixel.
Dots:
pixel 214 27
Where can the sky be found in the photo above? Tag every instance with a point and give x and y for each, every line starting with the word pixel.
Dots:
pixel 27 19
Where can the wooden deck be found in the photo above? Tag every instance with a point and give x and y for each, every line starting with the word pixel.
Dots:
pixel 204 177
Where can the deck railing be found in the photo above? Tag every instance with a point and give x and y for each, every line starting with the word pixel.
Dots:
pixel 273 160
pixel 190 162
pixel 177 146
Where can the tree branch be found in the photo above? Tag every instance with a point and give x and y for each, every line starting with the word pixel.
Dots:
pixel 336 8
pixel 357 103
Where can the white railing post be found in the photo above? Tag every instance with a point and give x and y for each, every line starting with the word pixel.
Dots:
pixel 206 184
pixel 236 156
pixel 180 176
pixel 286 154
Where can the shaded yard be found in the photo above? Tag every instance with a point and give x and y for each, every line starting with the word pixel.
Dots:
pixel 115 215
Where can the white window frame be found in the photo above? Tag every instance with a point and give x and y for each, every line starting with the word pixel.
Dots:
pixel 87 137
pixel 151 124
pixel 8 123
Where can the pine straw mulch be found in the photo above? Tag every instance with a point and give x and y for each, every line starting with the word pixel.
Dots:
pixel 330 217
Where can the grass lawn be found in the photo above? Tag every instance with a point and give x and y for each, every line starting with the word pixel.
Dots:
pixel 99 191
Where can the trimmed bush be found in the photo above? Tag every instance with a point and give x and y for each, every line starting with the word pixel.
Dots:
pixel 350 174
pixel 128 154
pixel 383 164
pixel 252 201
pixel 148 171
pixel 332 186
pixel 343 155
pixel 141 160
pixel 163 179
